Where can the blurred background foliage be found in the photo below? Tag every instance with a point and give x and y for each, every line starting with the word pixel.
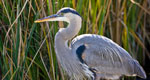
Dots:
pixel 27 49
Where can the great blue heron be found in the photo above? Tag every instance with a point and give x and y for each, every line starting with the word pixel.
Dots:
pixel 91 55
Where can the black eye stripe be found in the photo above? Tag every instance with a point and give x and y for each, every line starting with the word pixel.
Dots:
pixel 69 11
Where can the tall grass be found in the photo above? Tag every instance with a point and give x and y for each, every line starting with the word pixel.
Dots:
pixel 27 49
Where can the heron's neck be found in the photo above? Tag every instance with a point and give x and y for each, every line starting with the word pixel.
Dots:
pixel 72 29
pixel 65 34
pixel 63 52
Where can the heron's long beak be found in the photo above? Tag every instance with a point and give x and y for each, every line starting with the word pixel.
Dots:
pixel 54 17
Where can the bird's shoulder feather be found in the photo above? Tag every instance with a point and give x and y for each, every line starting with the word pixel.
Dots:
pixel 103 54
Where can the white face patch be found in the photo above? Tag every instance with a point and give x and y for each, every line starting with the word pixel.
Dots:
pixel 61 19
pixel 71 16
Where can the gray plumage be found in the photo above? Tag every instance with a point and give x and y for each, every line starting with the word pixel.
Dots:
pixel 91 55
pixel 107 58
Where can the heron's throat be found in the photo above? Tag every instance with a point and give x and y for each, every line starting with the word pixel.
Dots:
pixel 65 34
pixel 72 29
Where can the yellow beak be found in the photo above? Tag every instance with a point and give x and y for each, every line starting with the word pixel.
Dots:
pixel 54 17
pixel 49 18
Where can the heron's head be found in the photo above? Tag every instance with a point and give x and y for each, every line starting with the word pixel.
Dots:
pixel 64 14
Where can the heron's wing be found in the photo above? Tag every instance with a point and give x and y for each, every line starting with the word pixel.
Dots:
pixel 105 56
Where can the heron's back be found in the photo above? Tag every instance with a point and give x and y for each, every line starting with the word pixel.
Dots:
pixel 106 57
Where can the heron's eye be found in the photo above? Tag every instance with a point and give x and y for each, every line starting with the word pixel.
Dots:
pixel 61 14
